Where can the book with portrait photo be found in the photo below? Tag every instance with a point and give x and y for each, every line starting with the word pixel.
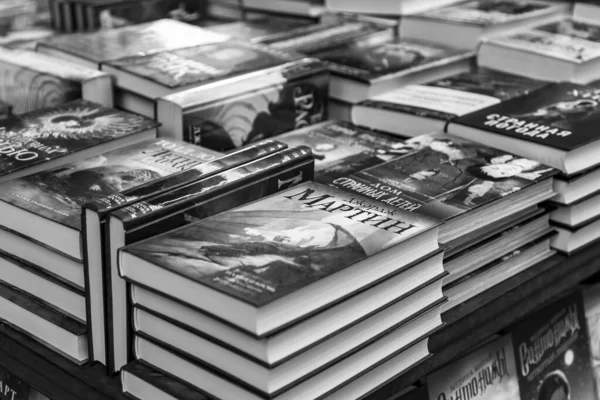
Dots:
pixel 555 125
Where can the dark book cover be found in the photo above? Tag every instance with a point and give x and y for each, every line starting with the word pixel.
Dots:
pixel 204 63
pixel 455 95
pixel 591 299
pixel 564 116
pixel 341 148
pixel 58 194
pixel 368 62
pixel 173 181
pixel 150 37
pixel 491 12
pixel 445 176
pixel 299 100
pixel 32 138
pixel 286 241
pixel 573 28
pixel 552 352
pixel 5 110
pixel 13 388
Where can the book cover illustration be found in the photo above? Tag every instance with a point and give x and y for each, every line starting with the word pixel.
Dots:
pixel 563 115
pixel 111 44
pixel 375 60
pixel 553 354
pixel 202 64
pixel 445 177
pixel 341 148
pixel 50 133
pixel 59 194
pixel 488 373
pixel 573 28
pixel 258 115
pixel 592 316
pixel 489 12
pixel 562 47
pixel 269 248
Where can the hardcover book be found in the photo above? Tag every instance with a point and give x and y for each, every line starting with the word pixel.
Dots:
pixel 91 49
pixel 573 28
pixel 552 352
pixel 591 300
pixel 488 373
pixel 193 66
pixel 445 177
pixel 552 125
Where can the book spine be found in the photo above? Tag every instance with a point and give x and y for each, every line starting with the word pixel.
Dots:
pixel 173 181
pixel 218 193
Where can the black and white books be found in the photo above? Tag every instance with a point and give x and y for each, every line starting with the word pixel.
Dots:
pixel 50 137
pixel 570 239
pixel 414 109
pixel 31 81
pixel 454 180
pixel 91 49
pixel 564 50
pixel 362 69
pixel 62 334
pixel 555 125
pixel 464 24
pixel 238 111
pixel 576 214
pixel 183 206
pixel 386 7
pixel 260 297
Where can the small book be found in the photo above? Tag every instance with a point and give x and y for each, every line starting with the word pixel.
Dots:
pixel 555 125
pixel 463 25
pixel 163 73
pixel 576 214
pixel 564 50
pixel 178 164
pixel 238 111
pixel 45 325
pixel 456 181
pixel 341 148
pixel 362 69
pixel 386 7
pixel 33 80
pixel 414 109
pixel 576 187
pixel 181 207
pixel 267 293
pixel 92 49
pixel 570 240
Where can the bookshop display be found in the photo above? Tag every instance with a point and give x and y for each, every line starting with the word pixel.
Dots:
pixel 298 199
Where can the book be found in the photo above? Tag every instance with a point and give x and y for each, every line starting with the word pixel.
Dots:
pixel 487 373
pixel 362 69
pixel 310 9
pixel 577 214
pixel 270 224
pixel 569 240
pixel 92 49
pixel 552 352
pixel 564 50
pixel 463 25
pixel 574 188
pixel 554 125
pixel 238 111
pixel 31 81
pixel 341 148
pixel 18 389
pixel 181 164
pixel 414 109
pixel 181 207
pixel 387 7
pixel 591 303
pixel 267 29
pixel 456 181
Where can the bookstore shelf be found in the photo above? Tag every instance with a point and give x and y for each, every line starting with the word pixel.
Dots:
pixel 467 326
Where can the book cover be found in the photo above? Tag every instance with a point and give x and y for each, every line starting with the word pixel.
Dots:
pixel 455 95
pixel 59 194
pixel 488 373
pixel 269 248
pixel 202 64
pixel 445 176
pixel 490 12
pixel 111 44
pixel 46 134
pixel 372 61
pixel 13 388
pixel 591 299
pixel 553 354
pixel 562 115
pixel 573 28
pixel 249 116
pixel 341 148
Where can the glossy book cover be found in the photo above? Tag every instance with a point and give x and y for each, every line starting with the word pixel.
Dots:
pixel 204 63
pixel 445 176
pixel 573 28
pixel 59 194
pixel 272 247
